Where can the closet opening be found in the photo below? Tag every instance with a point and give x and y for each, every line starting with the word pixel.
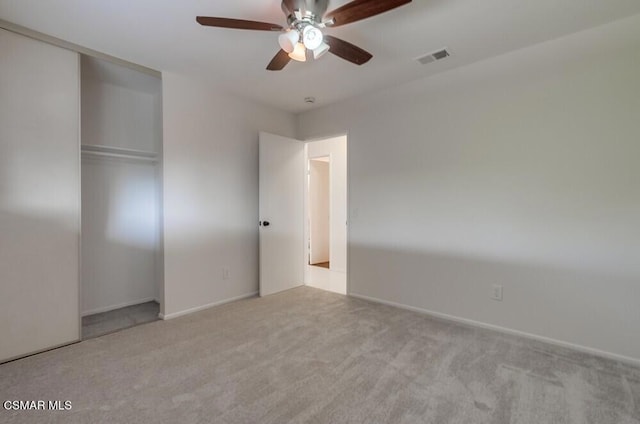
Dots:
pixel 121 246
pixel 319 212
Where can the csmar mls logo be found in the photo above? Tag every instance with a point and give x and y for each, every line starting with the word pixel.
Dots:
pixel 37 405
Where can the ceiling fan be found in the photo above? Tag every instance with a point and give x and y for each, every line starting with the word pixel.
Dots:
pixel 303 35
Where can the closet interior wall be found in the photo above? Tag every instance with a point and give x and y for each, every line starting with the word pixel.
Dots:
pixel 121 133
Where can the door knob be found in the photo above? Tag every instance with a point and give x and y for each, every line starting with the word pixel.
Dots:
pixel 265 223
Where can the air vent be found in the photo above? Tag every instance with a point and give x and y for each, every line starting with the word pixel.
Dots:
pixel 432 57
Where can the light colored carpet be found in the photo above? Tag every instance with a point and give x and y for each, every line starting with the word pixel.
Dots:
pixel 118 319
pixel 308 356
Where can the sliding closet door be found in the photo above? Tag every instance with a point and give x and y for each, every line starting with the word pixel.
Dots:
pixel 39 196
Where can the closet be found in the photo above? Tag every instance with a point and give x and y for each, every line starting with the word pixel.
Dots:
pixel 121 148
pixel 80 193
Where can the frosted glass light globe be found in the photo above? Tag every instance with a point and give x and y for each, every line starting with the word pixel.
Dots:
pixel 312 37
pixel 288 40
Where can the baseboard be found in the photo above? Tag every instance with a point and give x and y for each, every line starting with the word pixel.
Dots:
pixel 207 306
pixel 596 352
pixel 118 306
pixel 35 352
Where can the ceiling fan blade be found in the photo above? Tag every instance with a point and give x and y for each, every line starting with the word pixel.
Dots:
pixel 347 51
pixel 237 24
pixel 279 61
pixel 361 9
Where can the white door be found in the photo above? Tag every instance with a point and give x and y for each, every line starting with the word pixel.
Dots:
pixel 281 214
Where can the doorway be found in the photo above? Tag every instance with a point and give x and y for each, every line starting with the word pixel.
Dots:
pixel 284 220
pixel 326 214
pixel 319 212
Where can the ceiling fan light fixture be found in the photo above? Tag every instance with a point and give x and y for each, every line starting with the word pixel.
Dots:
pixel 299 53
pixel 320 51
pixel 302 38
pixel 289 40
pixel 312 37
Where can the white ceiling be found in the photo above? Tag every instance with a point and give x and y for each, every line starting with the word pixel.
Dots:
pixel 163 34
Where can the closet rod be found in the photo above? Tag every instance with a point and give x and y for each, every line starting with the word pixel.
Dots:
pixel 118 153
pixel 118 156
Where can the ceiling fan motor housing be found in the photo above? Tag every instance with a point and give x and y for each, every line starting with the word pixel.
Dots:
pixel 304 18
pixel 310 9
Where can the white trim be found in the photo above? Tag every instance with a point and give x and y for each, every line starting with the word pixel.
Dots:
pixel 479 324
pixel 207 306
pixel 79 188
pixel 27 32
pixel 118 306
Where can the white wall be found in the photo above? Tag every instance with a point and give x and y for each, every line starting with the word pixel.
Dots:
pixel 521 170
pixel 39 195
pixel 319 212
pixel 119 233
pixel 211 192
pixel 121 108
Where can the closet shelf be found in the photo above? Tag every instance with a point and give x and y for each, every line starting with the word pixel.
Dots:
pixel 118 153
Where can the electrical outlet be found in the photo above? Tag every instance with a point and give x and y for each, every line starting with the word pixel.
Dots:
pixel 225 273
pixel 496 293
